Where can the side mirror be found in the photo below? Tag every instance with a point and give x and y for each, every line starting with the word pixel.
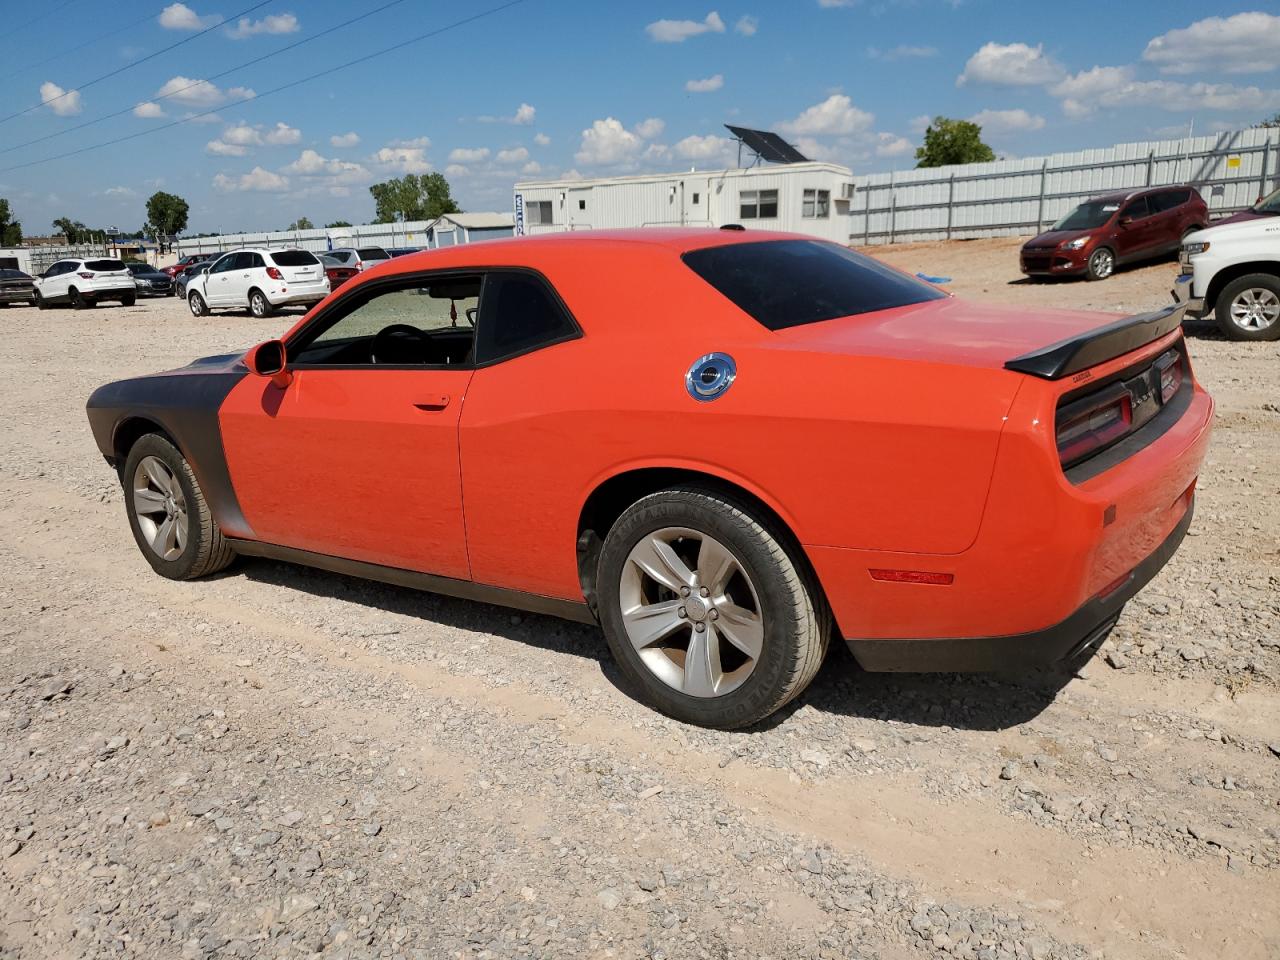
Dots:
pixel 268 360
pixel 1125 221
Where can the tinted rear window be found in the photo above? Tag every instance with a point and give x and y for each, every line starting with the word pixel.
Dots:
pixel 7 274
pixel 373 253
pixel 293 258
pixel 786 283
pixel 104 265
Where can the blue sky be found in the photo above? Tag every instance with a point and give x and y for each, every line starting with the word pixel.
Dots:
pixel 546 88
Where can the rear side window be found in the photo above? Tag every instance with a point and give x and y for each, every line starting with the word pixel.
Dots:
pixel 1160 202
pixel 293 258
pixel 373 253
pixel 519 314
pixel 104 265
pixel 787 283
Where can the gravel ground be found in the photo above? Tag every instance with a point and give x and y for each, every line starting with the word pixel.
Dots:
pixel 280 762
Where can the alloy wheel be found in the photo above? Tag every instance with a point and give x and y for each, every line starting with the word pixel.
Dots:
pixel 161 508
pixel 691 612
pixel 1256 308
pixel 1103 264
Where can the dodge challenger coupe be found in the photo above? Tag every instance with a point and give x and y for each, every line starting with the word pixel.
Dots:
pixel 725 447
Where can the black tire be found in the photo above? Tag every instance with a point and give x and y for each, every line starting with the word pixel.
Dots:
pixel 40 302
pixel 197 304
pixel 1102 264
pixel 78 300
pixel 205 551
pixel 1266 288
pixel 795 621
pixel 128 301
pixel 259 305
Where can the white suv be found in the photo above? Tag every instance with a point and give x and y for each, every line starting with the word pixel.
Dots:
pixel 359 258
pixel 84 283
pixel 1233 272
pixel 260 279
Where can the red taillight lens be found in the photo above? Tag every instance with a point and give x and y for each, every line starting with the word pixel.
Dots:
pixel 274 273
pixel 1093 427
pixel 1170 376
pixel 86 276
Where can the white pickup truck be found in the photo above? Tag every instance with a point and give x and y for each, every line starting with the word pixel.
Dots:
pixel 1233 272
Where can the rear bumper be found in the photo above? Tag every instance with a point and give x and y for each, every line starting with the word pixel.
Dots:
pixel 1078 635
pixel 294 293
pixel 109 291
pixel 18 296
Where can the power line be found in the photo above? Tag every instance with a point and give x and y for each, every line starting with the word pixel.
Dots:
pixel 216 76
pixel 287 86
pixel 43 16
pixel 132 64
pixel 97 38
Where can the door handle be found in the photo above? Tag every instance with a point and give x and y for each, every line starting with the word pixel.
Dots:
pixel 433 403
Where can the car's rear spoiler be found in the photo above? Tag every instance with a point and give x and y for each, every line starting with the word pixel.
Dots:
pixel 1096 346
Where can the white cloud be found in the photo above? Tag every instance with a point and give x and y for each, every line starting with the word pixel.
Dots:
pixel 275 23
pixel 678 31
pixel 65 103
pixel 456 170
pixel 120 192
pixel 706 85
pixel 835 115
pixel 541 139
pixel 524 114
pixel 178 16
pixel 902 52
pixel 1244 43
pixel 829 4
pixel 1113 87
pixel 468 154
pixel 282 134
pixel 256 180
pixel 344 139
pixel 607 143
pixel 892 145
pixel 219 148
pixel 242 135
pixel 512 156
pixel 997 122
pixel 1010 65
pixel 200 93
pixel 335 172
pixel 705 148
pixel 747 25
pixel 148 110
pixel 532 167
pixel 650 127
pixel 404 159
pixel 417 143
pixel 815 149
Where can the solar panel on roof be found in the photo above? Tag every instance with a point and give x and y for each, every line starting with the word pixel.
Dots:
pixel 768 146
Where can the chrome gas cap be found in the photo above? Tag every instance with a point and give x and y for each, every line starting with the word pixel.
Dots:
pixel 710 376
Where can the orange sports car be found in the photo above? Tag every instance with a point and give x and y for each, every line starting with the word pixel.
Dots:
pixel 725 447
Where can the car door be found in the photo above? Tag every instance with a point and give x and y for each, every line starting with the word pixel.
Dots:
pixel 57 280
pixel 217 282
pixel 1134 236
pixel 357 457
pixel 241 277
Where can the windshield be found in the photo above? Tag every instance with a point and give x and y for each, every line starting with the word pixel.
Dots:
pixel 1270 204
pixel 1088 216
pixel 786 283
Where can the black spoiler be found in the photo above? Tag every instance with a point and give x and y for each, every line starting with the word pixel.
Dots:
pixel 1096 346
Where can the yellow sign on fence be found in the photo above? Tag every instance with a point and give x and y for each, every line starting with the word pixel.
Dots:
pixel 1233 163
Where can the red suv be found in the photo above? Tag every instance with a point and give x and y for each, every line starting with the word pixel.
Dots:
pixel 175 268
pixel 1097 236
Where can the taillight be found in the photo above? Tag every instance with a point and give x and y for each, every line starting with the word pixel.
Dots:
pixel 1170 368
pixel 86 276
pixel 274 273
pixel 1091 424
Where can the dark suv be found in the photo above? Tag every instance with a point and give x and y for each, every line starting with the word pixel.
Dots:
pixel 1097 236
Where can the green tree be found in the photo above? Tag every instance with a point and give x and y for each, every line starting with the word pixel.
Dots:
pixel 1270 122
pixel 70 229
pixel 302 223
pixel 10 229
pixel 950 141
pixel 412 197
pixel 336 223
pixel 166 215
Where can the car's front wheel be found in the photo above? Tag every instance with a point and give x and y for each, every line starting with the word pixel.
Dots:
pixel 1249 308
pixel 168 515
pixel 78 300
pixel 259 305
pixel 198 307
pixel 1102 263
pixel 706 609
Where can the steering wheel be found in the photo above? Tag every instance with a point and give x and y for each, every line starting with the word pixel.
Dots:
pixel 399 343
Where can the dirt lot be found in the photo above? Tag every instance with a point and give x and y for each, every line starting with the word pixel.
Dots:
pixel 281 763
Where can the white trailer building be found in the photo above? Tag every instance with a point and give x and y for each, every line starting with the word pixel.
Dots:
pixel 805 197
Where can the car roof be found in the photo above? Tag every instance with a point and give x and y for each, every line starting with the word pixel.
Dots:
pixel 1122 195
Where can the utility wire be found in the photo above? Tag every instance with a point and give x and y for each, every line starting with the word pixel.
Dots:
pixel 98 38
pixel 134 63
pixel 287 86
pixel 43 16
pixel 196 83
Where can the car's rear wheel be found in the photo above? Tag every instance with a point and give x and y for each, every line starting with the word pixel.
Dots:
pixel 259 305
pixel 1249 308
pixel 128 301
pixel 168 515
pixel 78 300
pixel 198 307
pixel 1102 263
pixel 705 609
